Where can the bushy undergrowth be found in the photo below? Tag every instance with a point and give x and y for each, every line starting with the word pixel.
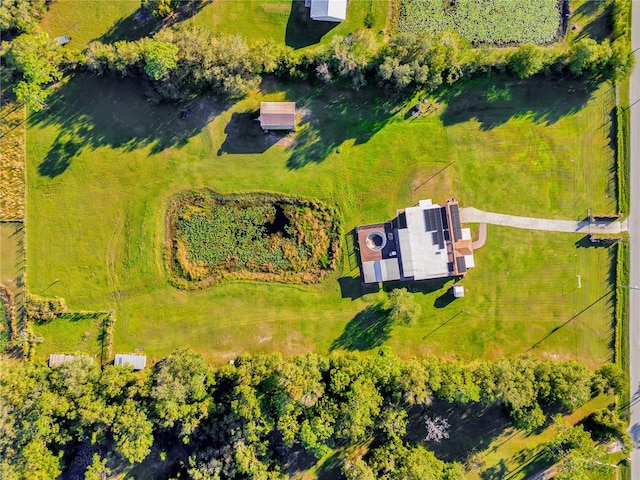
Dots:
pixel 42 309
pixel 484 21
pixel 251 236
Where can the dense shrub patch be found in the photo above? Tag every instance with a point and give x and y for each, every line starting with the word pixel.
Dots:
pixel 254 236
pixel 484 21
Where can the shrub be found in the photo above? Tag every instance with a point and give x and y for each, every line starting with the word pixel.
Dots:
pixel 42 309
pixel 403 307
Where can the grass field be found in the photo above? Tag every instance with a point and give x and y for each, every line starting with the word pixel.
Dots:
pixel 283 21
pixel 71 333
pixel 12 261
pixel 103 163
pixel 89 20
pixel 12 145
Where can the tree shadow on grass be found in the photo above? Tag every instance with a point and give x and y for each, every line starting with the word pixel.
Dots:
pixel 333 116
pixel 93 112
pixel 369 329
pixel 142 24
pixel 134 27
pixel 244 135
pixel 472 428
pixel 493 100
pixel 600 25
pixel 301 30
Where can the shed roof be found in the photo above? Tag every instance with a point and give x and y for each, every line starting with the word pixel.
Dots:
pixel 277 114
pixel 138 362
pixel 329 10
pixel 63 39
pixel 56 359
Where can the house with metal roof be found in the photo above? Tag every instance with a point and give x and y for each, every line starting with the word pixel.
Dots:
pixel 277 115
pixel 138 362
pixel 328 10
pixel 423 242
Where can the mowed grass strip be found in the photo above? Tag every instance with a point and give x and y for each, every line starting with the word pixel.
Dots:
pixel 528 148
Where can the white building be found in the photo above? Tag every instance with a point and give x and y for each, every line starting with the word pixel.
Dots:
pixel 424 242
pixel 138 362
pixel 329 10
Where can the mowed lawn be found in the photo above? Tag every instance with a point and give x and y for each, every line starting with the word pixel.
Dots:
pixel 102 163
pixel 283 21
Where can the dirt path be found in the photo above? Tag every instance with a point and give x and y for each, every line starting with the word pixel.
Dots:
pixel 473 215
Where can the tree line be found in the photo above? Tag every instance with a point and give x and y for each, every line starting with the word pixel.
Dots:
pixel 178 63
pixel 249 418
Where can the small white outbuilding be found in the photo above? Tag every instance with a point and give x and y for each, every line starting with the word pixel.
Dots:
pixel 329 10
pixel 458 291
pixel 138 362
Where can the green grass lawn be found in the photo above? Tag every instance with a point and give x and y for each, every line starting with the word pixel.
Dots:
pixel 284 21
pixel 88 20
pixel 102 164
pixel 71 333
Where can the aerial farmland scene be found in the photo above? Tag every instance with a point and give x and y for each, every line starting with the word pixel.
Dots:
pixel 319 239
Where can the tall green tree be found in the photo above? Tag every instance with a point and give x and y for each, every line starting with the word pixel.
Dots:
pixel 527 60
pixel 403 307
pixel 179 391
pixel 21 15
pixel 160 58
pixel 39 60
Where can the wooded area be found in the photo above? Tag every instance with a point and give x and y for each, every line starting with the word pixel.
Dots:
pixel 260 416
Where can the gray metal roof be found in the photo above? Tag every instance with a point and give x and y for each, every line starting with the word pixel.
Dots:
pixel 138 362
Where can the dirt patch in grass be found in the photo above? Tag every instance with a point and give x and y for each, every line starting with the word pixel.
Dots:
pixel 256 236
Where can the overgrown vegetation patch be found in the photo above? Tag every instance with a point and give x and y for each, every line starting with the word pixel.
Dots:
pixel 484 21
pixel 257 236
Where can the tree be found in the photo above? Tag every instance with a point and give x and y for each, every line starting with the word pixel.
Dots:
pixel 568 383
pixel 98 469
pixel 37 57
pixel 587 57
pixel 161 8
pixel 393 422
pixel 358 413
pixel 411 58
pixel 527 60
pixel 132 432
pixel 179 391
pixel 160 58
pixel 403 307
pixel 437 429
pixel 21 15
pixel 353 55
pixel 357 469
pixel 612 378
pixel 37 462
pixel 39 60
pixel 575 453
